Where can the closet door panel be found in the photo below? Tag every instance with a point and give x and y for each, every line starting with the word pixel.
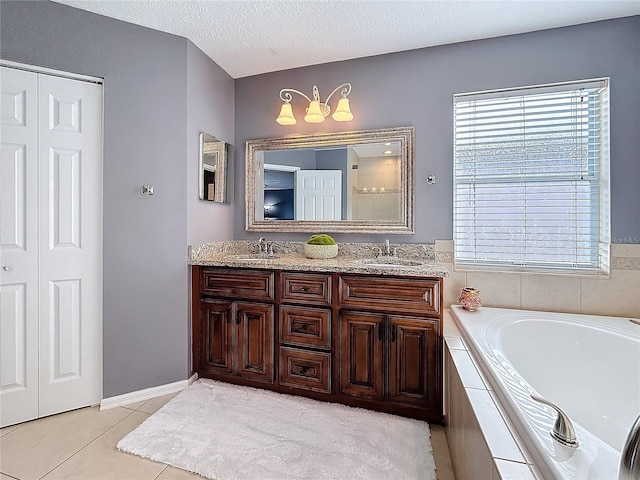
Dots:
pixel 18 246
pixel 70 126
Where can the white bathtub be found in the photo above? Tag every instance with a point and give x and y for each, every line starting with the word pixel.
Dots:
pixel 587 365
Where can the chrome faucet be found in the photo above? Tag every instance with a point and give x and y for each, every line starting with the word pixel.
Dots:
pixel 563 431
pixel 387 248
pixel 629 468
pixel 263 245
pixel 384 251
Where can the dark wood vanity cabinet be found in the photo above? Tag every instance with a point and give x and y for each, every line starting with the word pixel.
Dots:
pixel 305 332
pixel 234 338
pixel 388 357
pixel 390 347
pixel 363 340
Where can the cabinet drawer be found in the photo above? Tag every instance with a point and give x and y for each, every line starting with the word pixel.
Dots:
pixel 305 370
pixel 311 288
pixel 238 283
pixel 305 326
pixel 417 295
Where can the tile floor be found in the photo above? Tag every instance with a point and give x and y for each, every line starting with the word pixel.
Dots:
pixel 81 445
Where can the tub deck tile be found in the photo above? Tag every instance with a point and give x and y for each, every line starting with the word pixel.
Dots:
pixel 467 370
pixel 507 470
pixel 496 433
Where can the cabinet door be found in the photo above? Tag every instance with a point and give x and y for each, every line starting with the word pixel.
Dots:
pixel 216 337
pixel 255 341
pixel 361 354
pixel 413 369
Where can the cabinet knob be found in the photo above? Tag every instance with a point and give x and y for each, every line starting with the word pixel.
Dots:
pixel 7 268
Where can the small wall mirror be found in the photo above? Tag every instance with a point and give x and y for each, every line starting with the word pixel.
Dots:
pixel 213 169
pixel 343 182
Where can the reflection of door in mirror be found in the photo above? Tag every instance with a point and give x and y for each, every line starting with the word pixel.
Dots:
pixel 317 189
pixel 213 168
pixel 318 195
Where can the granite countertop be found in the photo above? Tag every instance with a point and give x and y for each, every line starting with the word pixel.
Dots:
pixel 351 259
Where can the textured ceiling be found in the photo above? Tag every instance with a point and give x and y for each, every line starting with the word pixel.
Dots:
pixel 252 37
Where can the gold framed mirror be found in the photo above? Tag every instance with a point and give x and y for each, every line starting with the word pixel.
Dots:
pixel 348 182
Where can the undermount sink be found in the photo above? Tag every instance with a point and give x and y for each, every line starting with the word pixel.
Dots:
pixel 251 257
pixel 390 262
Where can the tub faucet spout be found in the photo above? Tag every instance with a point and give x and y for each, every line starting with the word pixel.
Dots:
pixel 563 431
pixel 629 468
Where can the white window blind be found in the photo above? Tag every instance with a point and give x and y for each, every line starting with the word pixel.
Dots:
pixel 531 178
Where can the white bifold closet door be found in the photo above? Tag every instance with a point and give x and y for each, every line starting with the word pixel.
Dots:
pixel 50 245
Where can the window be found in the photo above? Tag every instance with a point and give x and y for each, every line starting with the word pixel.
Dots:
pixel 531 178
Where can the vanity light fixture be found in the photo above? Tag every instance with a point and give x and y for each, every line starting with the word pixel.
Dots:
pixel 317 110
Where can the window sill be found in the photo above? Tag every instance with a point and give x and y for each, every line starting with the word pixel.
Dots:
pixel 559 272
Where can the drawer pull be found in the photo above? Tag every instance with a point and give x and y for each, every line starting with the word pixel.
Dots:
pixel 300 327
pixel 303 289
pixel 427 297
pixel 305 370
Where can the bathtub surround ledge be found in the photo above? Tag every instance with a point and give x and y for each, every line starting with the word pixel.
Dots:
pixel 567 358
pixel 480 440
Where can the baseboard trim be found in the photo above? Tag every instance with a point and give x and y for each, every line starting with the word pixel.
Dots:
pixel 146 394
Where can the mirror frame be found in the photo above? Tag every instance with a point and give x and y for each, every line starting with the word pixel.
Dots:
pixel 404 135
pixel 220 149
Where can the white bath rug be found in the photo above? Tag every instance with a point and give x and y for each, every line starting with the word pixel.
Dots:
pixel 226 432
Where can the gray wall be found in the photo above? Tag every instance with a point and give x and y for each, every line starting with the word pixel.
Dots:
pixel 209 109
pixel 304 158
pixel 416 88
pixel 145 73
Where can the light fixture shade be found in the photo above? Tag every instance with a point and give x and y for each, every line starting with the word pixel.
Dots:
pixel 314 113
pixel 343 112
pixel 286 115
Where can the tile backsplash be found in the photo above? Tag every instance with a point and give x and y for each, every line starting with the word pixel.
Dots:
pixel 615 295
